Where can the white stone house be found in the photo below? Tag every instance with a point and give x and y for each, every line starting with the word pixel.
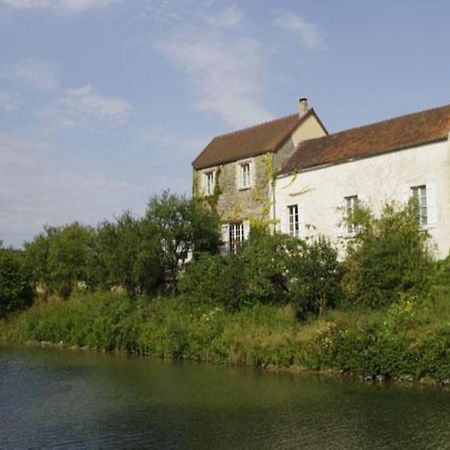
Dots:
pixel 374 164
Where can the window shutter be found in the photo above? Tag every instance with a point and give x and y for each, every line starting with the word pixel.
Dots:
pixel 431 204
pixel 302 231
pixel 341 211
pixel 363 200
pixel 225 228
pixel 246 229
pixel 284 221
pixel 405 194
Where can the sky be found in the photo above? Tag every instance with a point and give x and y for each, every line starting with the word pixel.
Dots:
pixel 105 103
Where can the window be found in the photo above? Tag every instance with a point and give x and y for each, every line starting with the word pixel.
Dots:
pixel 209 183
pixel 294 226
pixel 236 236
pixel 245 179
pixel 351 203
pixel 420 194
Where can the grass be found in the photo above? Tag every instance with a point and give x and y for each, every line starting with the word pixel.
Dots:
pixel 409 340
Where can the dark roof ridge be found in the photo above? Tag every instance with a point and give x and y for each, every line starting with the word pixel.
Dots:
pixel 379 122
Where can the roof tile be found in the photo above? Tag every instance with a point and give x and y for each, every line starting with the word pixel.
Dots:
pixel 252 141
pixel 369 140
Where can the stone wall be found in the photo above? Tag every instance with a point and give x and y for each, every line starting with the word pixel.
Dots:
pixel 236 204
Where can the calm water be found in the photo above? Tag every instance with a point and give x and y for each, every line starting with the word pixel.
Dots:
pixel 61 399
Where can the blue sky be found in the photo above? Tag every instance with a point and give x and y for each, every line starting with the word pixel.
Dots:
pixel 104 103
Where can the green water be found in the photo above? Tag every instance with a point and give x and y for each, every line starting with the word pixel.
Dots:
pixel 63 399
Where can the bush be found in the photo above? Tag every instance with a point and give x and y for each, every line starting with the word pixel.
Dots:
pixel 215 280
pixel 15 281
pixel 389 256
pixel 268 269
pixel 316 279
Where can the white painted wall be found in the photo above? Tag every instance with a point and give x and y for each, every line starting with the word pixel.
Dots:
pixel 320 192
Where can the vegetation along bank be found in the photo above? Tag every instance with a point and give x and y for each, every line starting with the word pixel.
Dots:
pixel 132 285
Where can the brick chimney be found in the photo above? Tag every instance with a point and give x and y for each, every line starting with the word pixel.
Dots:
pixel 302 106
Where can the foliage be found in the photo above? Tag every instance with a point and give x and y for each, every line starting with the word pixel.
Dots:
pixel 316 279
pixel 404 341
pixel 182 226
pixel 128 254
pixel 215 280
pixel 60 257
pixel 389 256
pixel 268 269
pixel 15 281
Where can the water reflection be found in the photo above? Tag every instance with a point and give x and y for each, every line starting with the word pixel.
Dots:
pixel 52 399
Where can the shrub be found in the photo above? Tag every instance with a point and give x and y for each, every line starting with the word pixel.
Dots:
pixel 389 256
pixel 316 275
pixel 215 280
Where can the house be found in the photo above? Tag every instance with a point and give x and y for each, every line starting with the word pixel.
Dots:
pixel 392 160
pixel 236 170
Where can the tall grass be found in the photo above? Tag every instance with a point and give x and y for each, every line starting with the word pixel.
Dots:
pixel 410 339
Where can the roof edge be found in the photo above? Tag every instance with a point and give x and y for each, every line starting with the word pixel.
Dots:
pixel 357 158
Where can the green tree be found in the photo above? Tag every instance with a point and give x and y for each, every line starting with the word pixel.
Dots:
pixel 129 255
pixel 59 257
pixel 183 227
pixel 15 281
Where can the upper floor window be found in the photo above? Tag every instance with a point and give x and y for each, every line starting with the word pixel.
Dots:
pixel 351 204
pixel 294 223
pixel 420 194
pixel 244 176
pixel 209 182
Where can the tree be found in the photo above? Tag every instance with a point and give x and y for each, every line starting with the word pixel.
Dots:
pixel 15 281
pixel 129 255
pixel 59 257
pixel 184 227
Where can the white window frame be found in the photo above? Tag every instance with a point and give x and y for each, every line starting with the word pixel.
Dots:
pixel 420 192
pixel 293 221
pixel 209 182
pixel 235 236
pixel 245 180
pixel 351 202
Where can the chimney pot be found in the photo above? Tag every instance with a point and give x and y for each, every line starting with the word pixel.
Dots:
pixel 302 106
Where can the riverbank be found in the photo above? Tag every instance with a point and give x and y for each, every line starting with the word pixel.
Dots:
pixel 409 341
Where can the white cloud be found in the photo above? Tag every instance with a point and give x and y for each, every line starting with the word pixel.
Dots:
pixel 230 17
pixel 59 6
pixel 42 75
pixel 224 73
pixel 82 106
pixel 9 101
pixel 310 34
pixel 34 191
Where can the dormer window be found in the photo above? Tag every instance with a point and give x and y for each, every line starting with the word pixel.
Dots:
pixel 209 182
pixel 245 175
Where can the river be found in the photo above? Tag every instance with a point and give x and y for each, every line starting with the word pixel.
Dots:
pixel 76 400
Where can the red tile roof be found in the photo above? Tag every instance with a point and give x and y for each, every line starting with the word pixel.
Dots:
pixel 256 140
pixel 369 140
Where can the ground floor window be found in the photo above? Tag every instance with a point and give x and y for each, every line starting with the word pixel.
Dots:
pixel 236 236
